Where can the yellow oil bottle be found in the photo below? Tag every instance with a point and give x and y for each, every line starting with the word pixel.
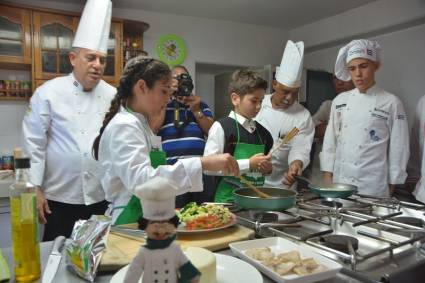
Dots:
pixel 24 219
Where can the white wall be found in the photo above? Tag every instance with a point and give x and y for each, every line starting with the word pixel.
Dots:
pixel 208 41
pixel 399 26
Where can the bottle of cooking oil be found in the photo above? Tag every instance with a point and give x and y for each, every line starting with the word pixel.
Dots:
pixel 24 218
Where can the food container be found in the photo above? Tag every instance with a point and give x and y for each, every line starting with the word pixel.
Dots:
pixel 280 245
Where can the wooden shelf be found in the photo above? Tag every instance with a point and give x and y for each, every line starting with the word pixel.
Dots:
pixel 15 98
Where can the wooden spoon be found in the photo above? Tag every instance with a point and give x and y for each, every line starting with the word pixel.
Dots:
pixel 288 137
pixel 251 186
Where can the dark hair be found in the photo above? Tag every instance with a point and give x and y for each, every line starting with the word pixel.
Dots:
pixel 141 67
pixel 143 222
pixel 246 81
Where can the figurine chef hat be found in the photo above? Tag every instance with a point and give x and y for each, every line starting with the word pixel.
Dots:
pixel 157 197
pixel 359 48
pixel 290 70
pixel 94 26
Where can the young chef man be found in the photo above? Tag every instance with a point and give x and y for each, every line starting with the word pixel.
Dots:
pixel 416 165
pixel 63 119
pixel 280 112
pixel 367 141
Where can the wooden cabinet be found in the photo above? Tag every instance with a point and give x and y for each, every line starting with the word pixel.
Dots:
pixel 39 40
pixel 52 40
pixel 15 36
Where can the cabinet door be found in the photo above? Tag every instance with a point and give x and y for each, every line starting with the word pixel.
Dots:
pixel 114 57
pixel 53 37
pixel 15 38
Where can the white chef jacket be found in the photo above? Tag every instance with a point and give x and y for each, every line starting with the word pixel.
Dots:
pixel 323 113
pixel 158 264
pixel 58 130
pixel 367 141
pixel 216 139
pixel 124 160
pixel 416 165
pixel 279 122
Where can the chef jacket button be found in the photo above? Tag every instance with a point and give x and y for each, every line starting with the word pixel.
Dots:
pixel 86 154
pixel 345 126
pixel 86 173
pixel 156 281
pixel 155 271
pixel 76 93
pixel 365 129
pixel 166 271
pixel 166 280
pixel 82 132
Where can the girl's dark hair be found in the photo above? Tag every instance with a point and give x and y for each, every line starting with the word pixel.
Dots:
pixel 141 67
pixel 143 222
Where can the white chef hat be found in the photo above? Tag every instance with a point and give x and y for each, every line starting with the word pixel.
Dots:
pixel 359 48
pixel 290 70
pixel 157 197
pixel 94 26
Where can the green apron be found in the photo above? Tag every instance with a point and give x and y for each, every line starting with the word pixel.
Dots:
pixel 224 191
pixel 133 210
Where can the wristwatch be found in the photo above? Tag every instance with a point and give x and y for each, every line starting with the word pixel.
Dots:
pixel 199 114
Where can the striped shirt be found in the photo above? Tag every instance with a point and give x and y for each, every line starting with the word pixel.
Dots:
pixel 186 140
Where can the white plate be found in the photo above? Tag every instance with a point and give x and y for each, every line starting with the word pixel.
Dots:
pixel 182 229
pixel 229 270
pixel 280 245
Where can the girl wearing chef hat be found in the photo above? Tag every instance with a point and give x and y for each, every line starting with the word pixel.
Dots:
pixel 161 259
pixel 130 153
pixel 366 141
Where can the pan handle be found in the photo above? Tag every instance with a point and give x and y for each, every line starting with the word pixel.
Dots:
pixel 232 183
pixel 301 178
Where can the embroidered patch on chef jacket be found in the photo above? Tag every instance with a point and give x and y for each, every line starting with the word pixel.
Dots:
pixel 379 116
pixel 401 117
pixel 373 135
pixel 340 105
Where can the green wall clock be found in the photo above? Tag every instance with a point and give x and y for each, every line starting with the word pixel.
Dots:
pixel 171 49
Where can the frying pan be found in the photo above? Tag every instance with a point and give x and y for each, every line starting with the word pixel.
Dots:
pixel 280 199
pixel 334 190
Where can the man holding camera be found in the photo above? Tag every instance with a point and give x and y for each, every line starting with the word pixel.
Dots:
pixel 187 122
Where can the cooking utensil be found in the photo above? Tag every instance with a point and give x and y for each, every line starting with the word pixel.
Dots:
pixel 251 186
pixel 54 260
pixel 288 137
pixel 334 190
pixel 280 199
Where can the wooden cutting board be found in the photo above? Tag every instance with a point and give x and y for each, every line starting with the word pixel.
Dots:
pixel 121 249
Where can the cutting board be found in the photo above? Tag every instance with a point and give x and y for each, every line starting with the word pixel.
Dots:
pixel 121 249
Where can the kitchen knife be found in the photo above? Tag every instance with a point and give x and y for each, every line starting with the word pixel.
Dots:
pixel 54 260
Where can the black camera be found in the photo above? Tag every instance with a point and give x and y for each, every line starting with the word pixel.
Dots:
pixel 185 85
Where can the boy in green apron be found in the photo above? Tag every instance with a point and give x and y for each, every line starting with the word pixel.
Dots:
pixel 238 134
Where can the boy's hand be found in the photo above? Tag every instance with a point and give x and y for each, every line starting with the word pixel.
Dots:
pixel 265 167
pixel 295 169
pixel 221 162
pixel 259 161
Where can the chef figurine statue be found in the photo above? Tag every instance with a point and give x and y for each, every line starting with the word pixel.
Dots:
pixel 161 259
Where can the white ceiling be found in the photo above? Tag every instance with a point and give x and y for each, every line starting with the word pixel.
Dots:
pixel 286 14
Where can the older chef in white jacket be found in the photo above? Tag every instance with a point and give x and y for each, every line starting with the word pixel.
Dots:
pixel 63 119
pixel 367 141
pixel 416 165
pixel 280 112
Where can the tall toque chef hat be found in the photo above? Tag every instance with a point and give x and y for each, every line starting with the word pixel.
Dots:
pixel 94 26
pixel 157 197
pixel 359 48
pixel 290 70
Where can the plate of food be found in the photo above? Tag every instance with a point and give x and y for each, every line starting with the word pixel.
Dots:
pixel 204 218
pixel 285 261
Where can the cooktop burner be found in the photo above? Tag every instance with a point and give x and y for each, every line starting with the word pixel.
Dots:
pixel 340 242
pixel 331 203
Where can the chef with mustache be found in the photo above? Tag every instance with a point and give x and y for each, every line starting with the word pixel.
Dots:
pixel 366 143
pixel 280 112
pixel 63 119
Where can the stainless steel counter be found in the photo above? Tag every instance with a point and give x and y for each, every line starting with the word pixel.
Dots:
pixel 64 276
